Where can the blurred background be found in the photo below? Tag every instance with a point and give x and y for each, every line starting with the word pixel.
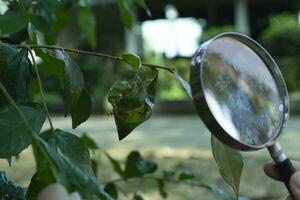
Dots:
pixel 175 137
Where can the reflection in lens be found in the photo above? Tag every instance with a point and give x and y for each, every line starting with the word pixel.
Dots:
pixel 241 92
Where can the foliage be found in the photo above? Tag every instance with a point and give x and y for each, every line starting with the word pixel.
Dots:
pixel 60 156
pixel 282 36
pixel 282 39
pixel 211 32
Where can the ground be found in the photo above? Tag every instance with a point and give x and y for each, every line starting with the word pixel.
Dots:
pixel 180 142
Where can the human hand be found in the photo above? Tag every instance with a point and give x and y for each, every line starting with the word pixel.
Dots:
pixel 270 170
pixel 57 192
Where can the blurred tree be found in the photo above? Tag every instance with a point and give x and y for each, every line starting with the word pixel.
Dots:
pixel 282 39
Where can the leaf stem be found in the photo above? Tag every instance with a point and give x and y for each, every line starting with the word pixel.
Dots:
pixel 41 90
pixel 77 51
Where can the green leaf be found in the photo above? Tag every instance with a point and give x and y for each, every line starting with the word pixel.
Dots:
pixel 51 5
pixel 89 142
pixel 92 145
pixel 168 174
pixel 185 85
pixel 185 175
pixel 7 53
pixel 10 190
pixel 11 22
pixel 51 65
pixel 133 100
pixel 14 136
pixel 34 35
pixel 230 163
pixel 143 5
pixel 81 110
pixel 133 60
pixel 161 187
pixel 73 81
pixel 111 189
pixel 71 146
pixel 87 24
pixel 218 192
pixel 137 197
pixel 16 78
pixel 125 13
pixel 136 166
pixel 41 24
pixel 95 166
pixel 116 165
pixel 52 166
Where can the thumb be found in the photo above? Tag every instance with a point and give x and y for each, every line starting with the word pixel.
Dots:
pixel 295 185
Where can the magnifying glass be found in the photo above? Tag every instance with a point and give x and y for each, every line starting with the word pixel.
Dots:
pixel 241 96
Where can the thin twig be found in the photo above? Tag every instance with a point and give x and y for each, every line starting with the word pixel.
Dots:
pixel 41 90
pixel 77 51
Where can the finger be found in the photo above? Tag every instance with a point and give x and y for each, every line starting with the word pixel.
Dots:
pixel 53 192
pixel 74 196
pixel 270 169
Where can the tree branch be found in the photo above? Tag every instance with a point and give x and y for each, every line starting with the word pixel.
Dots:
pixel 101 55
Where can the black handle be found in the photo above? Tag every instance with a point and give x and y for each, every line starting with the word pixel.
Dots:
pixel 285 170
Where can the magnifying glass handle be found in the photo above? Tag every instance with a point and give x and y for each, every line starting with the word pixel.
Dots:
pixel 283 165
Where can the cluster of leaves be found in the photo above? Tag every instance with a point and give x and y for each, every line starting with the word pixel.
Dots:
pixel 62 157
pixel 48 17
pixel 138 168
pixel 133 99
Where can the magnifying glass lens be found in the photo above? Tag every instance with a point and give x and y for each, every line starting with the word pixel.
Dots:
pixel 241 92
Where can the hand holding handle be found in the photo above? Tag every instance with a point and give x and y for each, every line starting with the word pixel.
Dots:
pixel 283 165
pixel 285 170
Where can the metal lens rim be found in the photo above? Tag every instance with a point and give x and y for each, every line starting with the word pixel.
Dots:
pixel 202 107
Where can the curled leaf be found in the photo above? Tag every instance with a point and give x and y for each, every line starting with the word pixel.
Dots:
pixel 133 100
pixel 133 60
